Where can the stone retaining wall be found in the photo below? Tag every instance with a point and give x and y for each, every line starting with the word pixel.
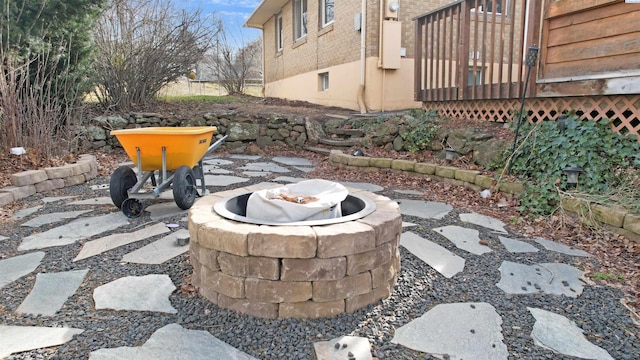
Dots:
pixel 27 183
pixel 294 271
pixel 617 220
pixel 260 129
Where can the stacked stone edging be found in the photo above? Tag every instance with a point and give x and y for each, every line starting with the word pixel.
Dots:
pixel 294 271
pixel 30 182
pixel 616 219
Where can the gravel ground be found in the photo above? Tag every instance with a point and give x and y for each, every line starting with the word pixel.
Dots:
pixel 597 311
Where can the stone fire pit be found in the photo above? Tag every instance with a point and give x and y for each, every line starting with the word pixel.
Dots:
pixel 302 271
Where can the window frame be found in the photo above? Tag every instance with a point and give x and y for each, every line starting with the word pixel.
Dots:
pixel 323 13
pixel 506 5
pixel 300 15
pixel 279 33
pixel 323 79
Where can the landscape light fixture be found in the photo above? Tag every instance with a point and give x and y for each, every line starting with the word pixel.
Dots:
pixel 562 122
pixel 530 61
pixel 358 152
pixel 449 153
pixel 393 6
pixel 572 175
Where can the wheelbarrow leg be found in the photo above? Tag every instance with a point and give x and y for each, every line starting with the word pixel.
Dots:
pixel 198 171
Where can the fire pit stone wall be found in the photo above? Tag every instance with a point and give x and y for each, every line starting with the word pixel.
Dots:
pixel 294 271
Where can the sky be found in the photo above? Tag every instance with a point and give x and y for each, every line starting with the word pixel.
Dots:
pixel 232 12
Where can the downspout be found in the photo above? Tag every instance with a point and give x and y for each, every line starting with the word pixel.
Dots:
pixel 264 68
pixel 380 44
pixel 362 104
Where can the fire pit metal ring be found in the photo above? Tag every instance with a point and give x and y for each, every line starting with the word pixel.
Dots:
pixel 353 207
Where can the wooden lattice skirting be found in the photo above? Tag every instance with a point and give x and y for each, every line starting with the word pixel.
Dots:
pixel 622 110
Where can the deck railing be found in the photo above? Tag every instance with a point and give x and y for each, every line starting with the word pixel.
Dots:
pixel 474 49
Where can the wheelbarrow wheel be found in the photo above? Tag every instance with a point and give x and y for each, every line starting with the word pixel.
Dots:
pixel 132 208
pixel 184 187
pixel 121 181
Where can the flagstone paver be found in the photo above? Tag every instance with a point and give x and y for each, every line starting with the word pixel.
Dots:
pixel 409 192
pixel 14 268
pixel 164 210
pixel 137 293
pixel 175 342
pixel 408 224
pixel 561 248
pixel 51 218
pixel 269 167
pixel 245 157
pixel 217 162
pixel 517 246
pixel 76 230
pixel 215 170
pixel 304 169
pixel 21 214
pixel 288 179
pixel 223 180
pixel 463 238
pixel 103 200
pixel 98 246
pixel 159 251
pixel 293 161
pixel 362 186
pixel 51 199
pixel 255 173
pixel 424 209
pixel 461 331
pixel 3 238
pixel 442 260
pixel 15 339
pixel 340 348
pixel 550 278
pixel 484 221
pixel 50 292
pixel 561 335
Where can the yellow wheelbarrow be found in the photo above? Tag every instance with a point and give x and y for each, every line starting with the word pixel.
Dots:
pixel 165 156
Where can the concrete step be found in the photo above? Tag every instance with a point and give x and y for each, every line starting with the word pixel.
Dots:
pixel 346 132
pixel 342 142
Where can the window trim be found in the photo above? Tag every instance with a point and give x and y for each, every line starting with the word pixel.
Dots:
pixel 300 25
pixel 323 14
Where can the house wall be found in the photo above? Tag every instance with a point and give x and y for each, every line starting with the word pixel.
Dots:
pixel 292 73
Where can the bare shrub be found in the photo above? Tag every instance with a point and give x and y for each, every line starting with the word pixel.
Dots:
pixel 144 45
pixel 235 61
pixel 36 103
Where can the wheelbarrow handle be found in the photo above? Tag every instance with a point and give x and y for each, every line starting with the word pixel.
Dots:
pixel 215 145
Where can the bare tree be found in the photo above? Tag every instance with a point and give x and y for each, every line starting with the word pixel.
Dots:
pixel 234 65
pixel 144 45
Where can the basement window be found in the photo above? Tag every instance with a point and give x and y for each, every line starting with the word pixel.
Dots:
pixel 323 81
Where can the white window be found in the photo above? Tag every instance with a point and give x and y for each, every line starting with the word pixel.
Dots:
pixel 478 76
pixel 326 12
pixel 323 81
pixel 498 6
pixel 300 18
pixel 278 32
